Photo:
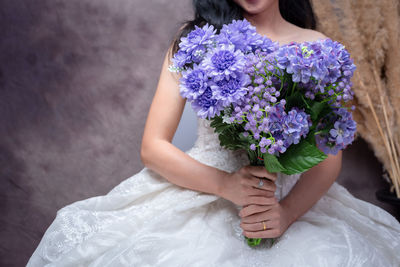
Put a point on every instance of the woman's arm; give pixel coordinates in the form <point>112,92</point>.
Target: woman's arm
<point>160,155</point>
<point>311,186</point>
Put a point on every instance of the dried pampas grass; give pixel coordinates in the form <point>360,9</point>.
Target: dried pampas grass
<point>391,150</point>
<point>371,32</point>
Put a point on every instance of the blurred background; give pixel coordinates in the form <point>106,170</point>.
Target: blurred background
<point>76,81</point>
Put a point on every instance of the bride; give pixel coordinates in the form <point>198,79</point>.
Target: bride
<point>195,208</point>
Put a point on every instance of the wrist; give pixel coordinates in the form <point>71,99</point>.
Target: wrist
<point>221,183</point>
<point>288,210</point>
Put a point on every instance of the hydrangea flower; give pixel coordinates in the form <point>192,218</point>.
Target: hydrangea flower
<point>295,125</point>
<point>318,65</point>
<point>340,135</point>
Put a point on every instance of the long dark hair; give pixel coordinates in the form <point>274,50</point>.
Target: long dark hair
<point>220,12</point>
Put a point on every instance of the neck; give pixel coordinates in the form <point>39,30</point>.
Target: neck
<point>268,22</point>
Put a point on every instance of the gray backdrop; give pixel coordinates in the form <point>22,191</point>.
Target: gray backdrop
<point>76,81</point>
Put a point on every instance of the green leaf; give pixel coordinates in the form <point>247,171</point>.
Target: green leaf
<point>272,163</point>
<point>218,125</point>
<point>230,135</point>
<point>301,157</point>
<point>325,111</point>
<point>311,138</point>
<point>252,157</point>
<point>227,141</point>
<point>295,100</point>
<point>316,109</point>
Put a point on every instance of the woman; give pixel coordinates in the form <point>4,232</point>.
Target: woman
<point>194,208</point>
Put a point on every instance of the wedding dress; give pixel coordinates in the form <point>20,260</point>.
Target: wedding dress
<point>147,221</point>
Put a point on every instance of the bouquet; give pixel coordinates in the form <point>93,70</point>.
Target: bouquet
<point>285,105</point>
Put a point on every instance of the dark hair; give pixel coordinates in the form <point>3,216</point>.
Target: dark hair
<point>220,12</point>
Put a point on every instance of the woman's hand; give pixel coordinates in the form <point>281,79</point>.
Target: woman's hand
<point>241,187</point>
<point>264,221</point>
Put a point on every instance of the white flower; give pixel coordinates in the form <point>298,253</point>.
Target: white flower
<point>226,119</point>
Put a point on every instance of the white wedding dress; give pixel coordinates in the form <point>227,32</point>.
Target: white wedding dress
<point>147,221</point>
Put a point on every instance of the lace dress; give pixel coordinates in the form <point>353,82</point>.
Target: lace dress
<point>147,221</point>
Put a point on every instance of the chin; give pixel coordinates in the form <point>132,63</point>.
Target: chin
<point>255,7</point>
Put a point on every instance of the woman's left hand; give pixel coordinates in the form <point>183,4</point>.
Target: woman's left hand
<point>274,218</point>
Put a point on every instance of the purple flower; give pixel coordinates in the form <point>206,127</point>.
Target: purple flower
<point>343,129</point>
<point>241,34</point>
<point>230,89</point>
<point>275,117</point>
<point>206,105</point>
<point>268,45</point>
<point>325,146</point>
<point>180,59</point>
<point>224,61</point>
<point>342,132</point>
<point>295,125</point>
<point>195,44</point>
<point>264,142</point>
<point>340,135</point>
<point>193,83</point>
<point>317,65</point>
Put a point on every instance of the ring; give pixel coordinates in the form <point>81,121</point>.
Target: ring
<point>260,183</point>
<point>264,225</point>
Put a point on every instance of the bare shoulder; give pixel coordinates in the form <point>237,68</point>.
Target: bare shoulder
<point>309,35</point>
<point>300,35</point>
<point>294,33</point>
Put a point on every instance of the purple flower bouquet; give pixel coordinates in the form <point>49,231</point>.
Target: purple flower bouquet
<point>285,105</point>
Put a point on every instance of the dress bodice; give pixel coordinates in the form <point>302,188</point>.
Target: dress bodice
<point>207,149</point>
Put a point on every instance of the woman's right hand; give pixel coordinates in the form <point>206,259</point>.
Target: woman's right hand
<point>241,187</point>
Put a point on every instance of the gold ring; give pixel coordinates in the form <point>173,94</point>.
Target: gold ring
<point>264,225</point>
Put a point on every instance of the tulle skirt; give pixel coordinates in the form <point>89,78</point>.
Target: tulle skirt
<point>147,221</point>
